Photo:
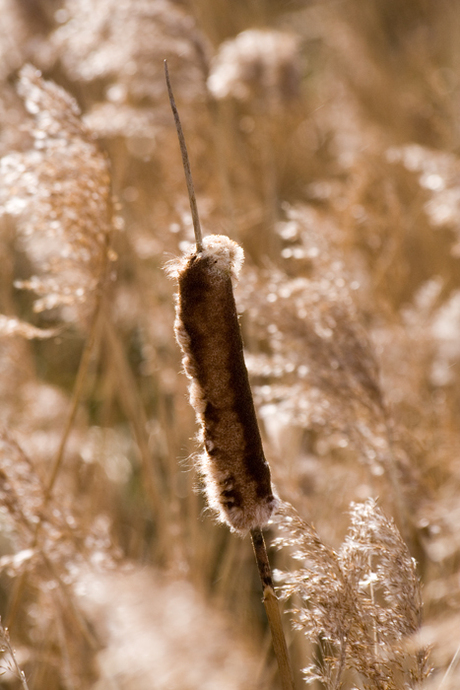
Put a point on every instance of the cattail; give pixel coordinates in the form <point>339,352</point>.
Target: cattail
<point>236,474</point>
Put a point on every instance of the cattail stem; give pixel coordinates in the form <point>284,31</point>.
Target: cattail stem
<point>186,163</point>
<point>237,475</point>
<point>272,610</point>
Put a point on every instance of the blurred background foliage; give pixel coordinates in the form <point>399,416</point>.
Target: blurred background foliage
<point>324,137</point>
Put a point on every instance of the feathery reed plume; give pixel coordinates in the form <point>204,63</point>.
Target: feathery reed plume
<point>359,604</point>
<point>24,505</point>
<point>259,71</point>
<point>60,191</point>
<point>236,473</point>
<point>11,664</point>
<point>53,202</point>
<point>121,43</point>
<point>64,218</point>
<point>51,545</point>
<point>257,63</point>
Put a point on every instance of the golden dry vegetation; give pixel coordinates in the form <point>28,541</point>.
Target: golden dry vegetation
<point>324,138</point>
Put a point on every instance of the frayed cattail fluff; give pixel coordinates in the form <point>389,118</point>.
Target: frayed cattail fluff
<point>236,473</point>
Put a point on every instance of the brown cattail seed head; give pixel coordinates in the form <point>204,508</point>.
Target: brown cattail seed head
<point>236,474</point>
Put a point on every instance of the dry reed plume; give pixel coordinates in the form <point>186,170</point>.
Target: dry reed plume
<point>359,605</point>
<point>64,217</point>
<point>11,665</point>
